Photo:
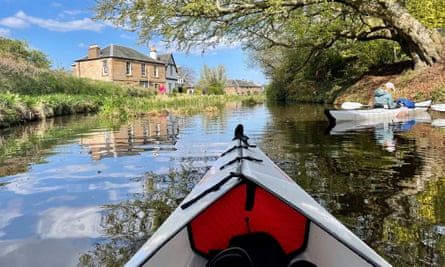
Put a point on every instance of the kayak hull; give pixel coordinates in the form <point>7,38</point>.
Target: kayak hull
<point>375,114</point>
<point>438,107</point>
<point>381,114</point>
<point>246,201</point>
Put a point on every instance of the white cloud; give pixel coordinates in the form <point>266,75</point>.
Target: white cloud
<point>4,32</point>
<point>69,222</point>
<point>21,20</point>
<point>126,36</point>
<point>14,22</point>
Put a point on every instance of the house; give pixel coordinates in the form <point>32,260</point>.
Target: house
<point>171,70</point>
<point>184,84</point>
<point>125,65</point>
<point>242,87</point>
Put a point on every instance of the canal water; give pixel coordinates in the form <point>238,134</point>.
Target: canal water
<point>88,191</point>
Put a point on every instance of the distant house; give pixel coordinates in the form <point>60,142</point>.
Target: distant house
<point>171,70</point>
<point>184,83</point>
<point>125,65</point>
<point>242,87</point>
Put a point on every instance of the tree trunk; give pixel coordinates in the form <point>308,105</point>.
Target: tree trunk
<point>423,45</point>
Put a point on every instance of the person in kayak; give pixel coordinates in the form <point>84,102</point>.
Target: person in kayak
<point>383,97</point>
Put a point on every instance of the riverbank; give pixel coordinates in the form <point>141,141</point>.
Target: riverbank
<point>16,108</point>
<point>416,85</point>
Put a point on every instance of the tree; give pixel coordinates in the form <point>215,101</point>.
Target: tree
<point>267,23</point>
<point>212,80</point>
<point>187,73</point>
<point>429,12</point>
<point>18,50</point>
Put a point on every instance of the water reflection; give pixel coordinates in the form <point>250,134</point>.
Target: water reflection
<point>154,134</point>
<point>384,130</point>
<point>130,223</point>
<point>91,191</point>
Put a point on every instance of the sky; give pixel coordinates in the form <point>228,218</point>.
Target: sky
<point>64,29</point>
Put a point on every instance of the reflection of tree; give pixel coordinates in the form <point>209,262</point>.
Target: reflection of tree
<point>127,225</point>
<point>390,200</point>
<point>418,242</point>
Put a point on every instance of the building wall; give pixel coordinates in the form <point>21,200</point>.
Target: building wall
<point>117,71</point>
<point>232,90</point>
<point>90,69</point>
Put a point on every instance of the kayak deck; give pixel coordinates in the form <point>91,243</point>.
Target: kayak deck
<point>246,205</point>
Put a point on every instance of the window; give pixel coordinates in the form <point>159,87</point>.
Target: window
<point>128,68</point>
<point>144,84</point>
<point>156,73</point>
<point>143,70</point>
<point>104,67</point>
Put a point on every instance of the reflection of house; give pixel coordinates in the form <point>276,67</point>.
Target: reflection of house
<point>125,65</point>
<point>241,87</point>
<point>147,135</point>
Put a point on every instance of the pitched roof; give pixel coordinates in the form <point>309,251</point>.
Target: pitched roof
<point>241,83</point>
<point>118,51</point>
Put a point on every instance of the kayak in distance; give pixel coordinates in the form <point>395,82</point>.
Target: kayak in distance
<point>438,107</point>
<point>376,113</point>
<point>246,212</point>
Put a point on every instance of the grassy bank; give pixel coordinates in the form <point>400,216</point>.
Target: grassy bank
<point>30,90</point>
<point>15,108</point>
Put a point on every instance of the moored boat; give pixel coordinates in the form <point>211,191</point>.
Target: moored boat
<point>247,212</point>
<point>377,113</point>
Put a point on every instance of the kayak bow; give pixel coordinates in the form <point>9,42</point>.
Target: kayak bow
<point>247,211</point>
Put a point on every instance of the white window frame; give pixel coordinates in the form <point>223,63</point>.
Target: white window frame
<point>143,70</point>
<point>128,68</point>
<point>104,67</point>
<point>156,71</point>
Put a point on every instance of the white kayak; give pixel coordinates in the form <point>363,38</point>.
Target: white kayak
<point>440,123</point>
<point>247,212</point>
<point>342,127</point>
<point>376,113</point>
<point>438,107</point>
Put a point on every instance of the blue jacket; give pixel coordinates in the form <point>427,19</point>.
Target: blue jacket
<point>382,98</point>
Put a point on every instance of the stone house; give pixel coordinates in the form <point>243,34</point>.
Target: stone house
<point>242,87</point>
<point>125,65</point>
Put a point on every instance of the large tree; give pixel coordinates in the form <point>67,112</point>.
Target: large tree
<point>266,23</point>
<point>212,80</point>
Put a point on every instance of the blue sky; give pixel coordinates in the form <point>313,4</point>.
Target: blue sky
<point>63,29</point>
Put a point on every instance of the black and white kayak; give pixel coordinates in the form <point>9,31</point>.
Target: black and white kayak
<point>247,212</point>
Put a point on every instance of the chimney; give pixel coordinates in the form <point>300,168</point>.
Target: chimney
<point>93,51</point>
<point>153,53</point>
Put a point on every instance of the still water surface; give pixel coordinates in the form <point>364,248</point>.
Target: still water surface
<point>83,191</point>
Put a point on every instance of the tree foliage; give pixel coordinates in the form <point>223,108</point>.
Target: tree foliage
<point>212,80</point>
<point>317,24</point>
<point>429,12</point>
<point>19,50</point>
